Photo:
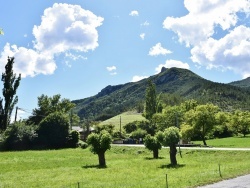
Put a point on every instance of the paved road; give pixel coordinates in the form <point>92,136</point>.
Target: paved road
<point>239,182</point>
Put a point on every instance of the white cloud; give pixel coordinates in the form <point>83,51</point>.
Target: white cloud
<point>198,29</point>
<point>63,28</point>
<point>28,62</point>
<point>74,56</point>
<point>158,50</point>
<point>172,63</point>
<point>146,23</point>
<point>142,36</point>
<point>134,13</point>
<point>138,78</point>
<point>112,68</point>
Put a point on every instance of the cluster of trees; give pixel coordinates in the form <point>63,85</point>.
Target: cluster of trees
<point>47,127</point>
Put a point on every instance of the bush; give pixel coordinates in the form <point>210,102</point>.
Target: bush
<point>73,138</point>
<point>53,131</point>
<point>19,136</point>
<point>130,127</point>
<point>82,144</point>
<point>139,133</point>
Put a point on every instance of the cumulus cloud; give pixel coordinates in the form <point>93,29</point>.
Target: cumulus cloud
<point>158,50</point>
<point>172,63</point>
<point>112,68</point>
<point>142,36</point>
<point>138,78</point>
<point>199,27</point>
<point>28,62</point>
<point>134,13</point>
<point>63,28</point>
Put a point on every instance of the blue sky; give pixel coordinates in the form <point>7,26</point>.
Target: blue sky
<point>76,48</point>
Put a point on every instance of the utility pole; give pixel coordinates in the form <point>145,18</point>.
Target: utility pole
<point>16,113</point>
<point>120,126</point>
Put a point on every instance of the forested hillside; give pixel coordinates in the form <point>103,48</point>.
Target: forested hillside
<point>183,83</point>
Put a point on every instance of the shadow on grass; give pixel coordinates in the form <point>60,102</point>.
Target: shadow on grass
<point>169,166</point>
<point>151,158</point>
<point>94,166</point>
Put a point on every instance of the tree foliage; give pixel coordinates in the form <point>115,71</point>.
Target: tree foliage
<point>152,144</point>
<point>10,86</point>
<point>19,136</point>
<point>170,137</point>
<point>48,105</point>
<point>151,101</point>
<point>241,122</point>
<point>202,119</point>
<point>99,144</point>
<point>53,131</point>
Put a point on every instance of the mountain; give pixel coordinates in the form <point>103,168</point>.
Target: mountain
<point>113,100</point>
<point>245,83</point>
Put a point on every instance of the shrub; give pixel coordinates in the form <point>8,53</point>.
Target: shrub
<point>73,138</point>
<point>82,144</point>
<point>139,133</point>
<point>19,136</point>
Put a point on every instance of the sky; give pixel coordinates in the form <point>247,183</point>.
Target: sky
<point>75,48</point>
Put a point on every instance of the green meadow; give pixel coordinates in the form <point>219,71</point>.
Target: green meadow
<point>126,167</point>
<point>123,119</point>
<point>231,142</point>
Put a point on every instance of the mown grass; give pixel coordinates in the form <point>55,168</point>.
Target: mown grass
<point>231,142</point>
<point>126,167</point>
<point>124,119</point>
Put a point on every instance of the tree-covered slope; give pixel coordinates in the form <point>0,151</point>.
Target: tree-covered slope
<point>113,100</point>
<point>245,83</point>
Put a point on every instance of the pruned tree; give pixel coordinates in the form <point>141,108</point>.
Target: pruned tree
<point>99,144</point>
<point>152,144</point>
<point>10,85</point>
<point>170,137</point>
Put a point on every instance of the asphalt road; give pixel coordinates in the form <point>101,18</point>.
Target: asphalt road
<point>238,182</point>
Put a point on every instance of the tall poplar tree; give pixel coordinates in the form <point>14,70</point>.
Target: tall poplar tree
<point>151,101</point>
<point>10,85</point>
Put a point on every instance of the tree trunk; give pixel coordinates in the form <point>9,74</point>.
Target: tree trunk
<point>156,153</point>
<point>101,157</point>
<point>173,152</point>
<point>204,141</point>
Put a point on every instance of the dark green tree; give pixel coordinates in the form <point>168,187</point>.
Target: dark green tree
<point>152,144</point>
<point>48,105</point>
<point>151,101</point>
<point>53,131</point>
<point>170,137</point>
<point>99,144</point>
<point>10,85</point>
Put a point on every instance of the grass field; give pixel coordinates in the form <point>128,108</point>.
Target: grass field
<point>231,142</point>
<point>126,167</point>
<point>123,119</point>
